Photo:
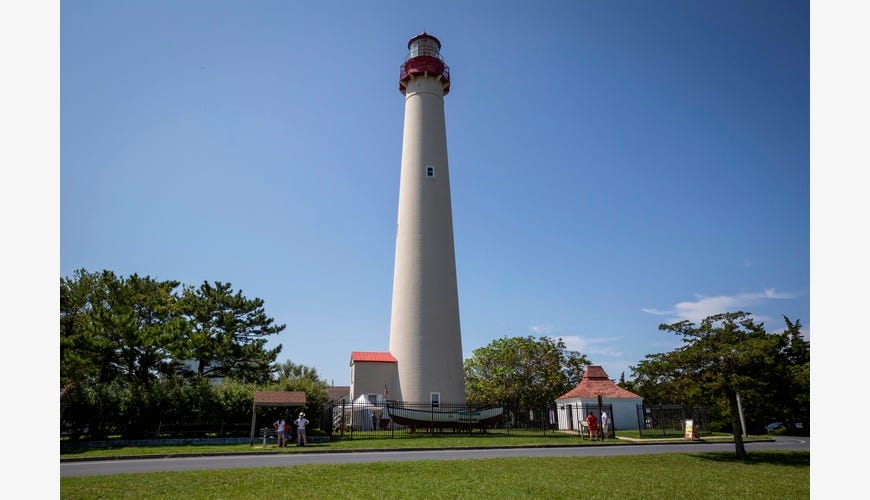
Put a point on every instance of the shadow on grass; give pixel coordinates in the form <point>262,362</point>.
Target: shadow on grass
<point>786,458</point>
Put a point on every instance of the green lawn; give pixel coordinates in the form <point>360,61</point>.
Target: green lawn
<point>673,476</point>
<point>362,441</point>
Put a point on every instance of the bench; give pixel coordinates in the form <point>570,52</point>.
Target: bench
<point>268,432</point>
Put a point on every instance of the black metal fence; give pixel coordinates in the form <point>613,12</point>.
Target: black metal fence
<point>576,416</point>
<point>396,419</point>
<point>670,420</point>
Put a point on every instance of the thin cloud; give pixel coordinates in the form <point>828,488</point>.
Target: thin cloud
<point>542,329</point>
<point>657,312</point>
<point>697,310</point>
<point>574,343</point>
<point>597,346</point>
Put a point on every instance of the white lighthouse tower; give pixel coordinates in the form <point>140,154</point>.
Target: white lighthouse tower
<point>425,336</point>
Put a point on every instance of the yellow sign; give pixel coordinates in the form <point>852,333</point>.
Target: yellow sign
<point>690,433</point>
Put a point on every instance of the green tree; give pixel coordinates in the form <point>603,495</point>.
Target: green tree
<point>80,358</point>
<point>522,372</point>
<point>726,355</point>
<point>235,398</point>
<point>289,370</point>
<point>787,396</point>
<point>226,335</point>
<point>111,326</point>
<point>299,377</point>
<point>658,383</point>
<point>628,385</point>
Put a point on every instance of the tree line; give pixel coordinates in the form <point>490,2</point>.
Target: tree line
<point>140,354</point>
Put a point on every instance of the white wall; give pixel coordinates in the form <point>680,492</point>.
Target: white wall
<point>370,377</point>
<point>624,415</point>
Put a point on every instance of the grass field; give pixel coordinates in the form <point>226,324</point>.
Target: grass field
<point>361,442</point>
<point>673,476</point>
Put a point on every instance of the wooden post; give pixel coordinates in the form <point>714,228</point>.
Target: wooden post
<point>253,422</point>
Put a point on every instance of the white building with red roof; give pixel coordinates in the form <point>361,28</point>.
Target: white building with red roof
<point>574,405</point>
<point>374,374</point>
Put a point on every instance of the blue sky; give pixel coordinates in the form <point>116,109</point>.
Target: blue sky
<point>614,165</point>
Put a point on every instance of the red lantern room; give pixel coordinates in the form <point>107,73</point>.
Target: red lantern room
<point>424,58</point>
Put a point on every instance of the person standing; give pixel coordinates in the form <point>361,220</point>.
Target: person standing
<point>301,422</point>
<point>604,421</point>
<point>592,423</point>
<point>279,431</point>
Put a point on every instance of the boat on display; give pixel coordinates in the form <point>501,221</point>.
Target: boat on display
<point>444,418</point>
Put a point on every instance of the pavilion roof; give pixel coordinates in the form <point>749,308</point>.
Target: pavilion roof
<point>596,383</point>
<point>279,398</point>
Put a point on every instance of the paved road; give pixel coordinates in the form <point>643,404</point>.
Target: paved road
<point>86,468</point>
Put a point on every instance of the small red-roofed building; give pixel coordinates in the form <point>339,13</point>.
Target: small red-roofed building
<point>373,374</point>
<point>574,405</point>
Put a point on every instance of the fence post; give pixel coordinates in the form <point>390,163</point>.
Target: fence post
<point>611,421</point>
<point>662,419</point>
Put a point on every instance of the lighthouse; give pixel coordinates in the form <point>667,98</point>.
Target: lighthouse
<point>425,336</point>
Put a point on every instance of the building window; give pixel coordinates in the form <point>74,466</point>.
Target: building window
<point>430,171</point>
<point>435,398</point>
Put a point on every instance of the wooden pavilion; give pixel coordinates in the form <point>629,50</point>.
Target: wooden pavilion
<point>288,399</point>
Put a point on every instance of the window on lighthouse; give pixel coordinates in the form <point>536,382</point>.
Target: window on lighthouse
<point>430,171</point>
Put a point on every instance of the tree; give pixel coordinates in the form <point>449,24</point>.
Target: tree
<point>789,393</point>
<point>297,377</point>
<point>726,355</point>
<point>227,332</point>
<point>113,326</point>
<point>628,385</point>
<point>79,358</point>
<point>123,341</point>
<point>522,372</point>
<point>138,328</point>
<point>289,370</point>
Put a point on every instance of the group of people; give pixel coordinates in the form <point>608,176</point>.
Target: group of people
<point>282,429</point>
<point>592,423</point>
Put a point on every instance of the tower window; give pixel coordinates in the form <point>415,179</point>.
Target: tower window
<point>430,171</point>
<point>435,399</point>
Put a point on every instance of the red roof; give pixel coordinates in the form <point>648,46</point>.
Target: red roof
<point>596,383</point>
<point>372,357</point>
